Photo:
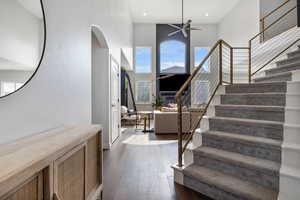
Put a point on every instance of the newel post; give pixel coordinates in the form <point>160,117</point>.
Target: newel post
<point>179,121</point>
<point>298,13</point>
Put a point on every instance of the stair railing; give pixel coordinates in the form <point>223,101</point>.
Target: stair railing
<point>265,47</point>
<point>270,14</point>
<point>225,65</point>
<point>217,68</point>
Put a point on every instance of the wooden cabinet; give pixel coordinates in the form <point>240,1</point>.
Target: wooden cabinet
<point>69,175</point>
<point>66,166</point>
<point>31,190</point>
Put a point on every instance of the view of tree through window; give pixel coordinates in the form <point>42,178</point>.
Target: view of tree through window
<point>143,91</point>
<point>200,53</point>
<point>172,57</point>
<point>143,60</point>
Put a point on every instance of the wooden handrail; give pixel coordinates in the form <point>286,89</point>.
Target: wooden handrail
<point>194,73</point>
<point>274,10</point>
<point>279,54</point>
<point>265,29</point>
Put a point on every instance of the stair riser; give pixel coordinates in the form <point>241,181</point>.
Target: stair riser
<point>260,177</point>
<point>210,191</point>
<point>271,100</point>
<point>274,79</point>
<point>242,147</point>
<point>284,69</point>
<point>257,88</point>
<point>250,113</point>
<point>252,129</point>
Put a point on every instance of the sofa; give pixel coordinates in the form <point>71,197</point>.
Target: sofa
<point>167,122</point>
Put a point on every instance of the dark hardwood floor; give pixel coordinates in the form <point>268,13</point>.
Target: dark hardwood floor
<point>138,167</point>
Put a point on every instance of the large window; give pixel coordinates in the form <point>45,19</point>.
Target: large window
<point>200,54</point>
<point>172,57</point>
<point>143,91</point>
<point>9,87</point>
<point>201,94</point>
<point>143,60</point>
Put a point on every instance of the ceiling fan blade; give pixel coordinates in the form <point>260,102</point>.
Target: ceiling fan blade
<point>195,29</point>
<point>184,33</point>
<point>174,26</point>
<point>173,33</point>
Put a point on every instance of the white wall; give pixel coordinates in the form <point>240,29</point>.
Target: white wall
<point>21,36</point>
<point>60,93</point>
<point>241,24</point>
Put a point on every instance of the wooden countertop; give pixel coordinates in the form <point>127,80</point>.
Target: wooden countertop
<point>26,157</point>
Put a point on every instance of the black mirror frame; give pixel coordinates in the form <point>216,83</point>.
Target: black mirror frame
<point>42,55</point>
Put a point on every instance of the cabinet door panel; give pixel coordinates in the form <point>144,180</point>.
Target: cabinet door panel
<point>70,175</point>
<point>32,190</point>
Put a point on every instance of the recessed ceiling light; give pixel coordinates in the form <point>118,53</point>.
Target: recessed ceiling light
<point>206,14</point>
<point>145,14</point>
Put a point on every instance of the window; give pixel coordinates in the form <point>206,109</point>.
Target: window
<point>172,57</point>
<point>143,60</point>
<point>9,87</point>
<point>202,94</point>
<point>200,53</point>
<point>143,91</point>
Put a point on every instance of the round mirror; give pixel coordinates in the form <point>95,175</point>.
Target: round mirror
<point>22,42</point>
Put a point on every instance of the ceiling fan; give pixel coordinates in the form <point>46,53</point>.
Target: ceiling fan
<point>184,27</point>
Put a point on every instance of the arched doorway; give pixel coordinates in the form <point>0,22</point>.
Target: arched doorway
<point>104,103</point>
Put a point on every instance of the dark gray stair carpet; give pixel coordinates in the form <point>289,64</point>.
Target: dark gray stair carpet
<point>258,128</point>
<point>288,61</point>
<point>263,148</point>
<point>220,186</point>
<point>241,153</point>
<point>285,76</point>
<point>294,54</point>
<point>283,68</point>
<point>258,171</point>
<point>274,87</point>
<point>272,99</point>
<point>271,113</point>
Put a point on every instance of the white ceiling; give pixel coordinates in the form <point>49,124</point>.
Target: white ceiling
<point>169,11</point>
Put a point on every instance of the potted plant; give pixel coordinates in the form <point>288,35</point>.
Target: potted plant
<point>157,104</point>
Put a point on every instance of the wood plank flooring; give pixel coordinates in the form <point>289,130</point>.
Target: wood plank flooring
<point>138,167</point>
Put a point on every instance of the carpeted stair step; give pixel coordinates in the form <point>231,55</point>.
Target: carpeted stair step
<point>283,68</point>
<point>270,113</point>
<point>275,87</point>
<point>258,171</point>
<point>294,54</point>
<point>257,147</point>
<point>272,99</point>
<point>224,187</point>
<point>285,76</point>
<point>250,127</point>
<point>288,61</point>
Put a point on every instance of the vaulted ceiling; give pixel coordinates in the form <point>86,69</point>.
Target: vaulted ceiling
<point>169,11</point>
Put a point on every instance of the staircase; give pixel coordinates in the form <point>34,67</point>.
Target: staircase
<point>240,156</point>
